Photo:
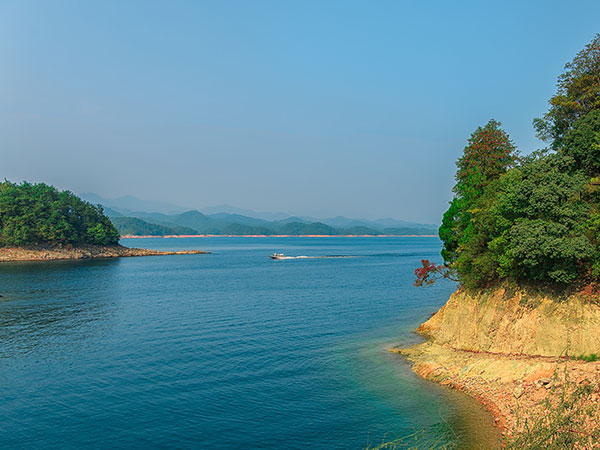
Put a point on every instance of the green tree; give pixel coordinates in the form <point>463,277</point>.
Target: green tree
<point>488,154</point>
<point>541,231</point>
<point>40,214</point>
<point>578,94</point>
<point>534,219</point>
<point>582,143</point>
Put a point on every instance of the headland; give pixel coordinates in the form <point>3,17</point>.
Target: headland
<point>50,253</point>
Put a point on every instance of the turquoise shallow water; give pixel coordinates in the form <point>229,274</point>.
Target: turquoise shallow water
<point>224,351</point>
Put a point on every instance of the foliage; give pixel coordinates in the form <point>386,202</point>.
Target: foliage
<point>533,219</point>
<point>40,214</point>
<point>578,94</point>
<point>488,154</point>
<point>429,272</point>
<point>589,358</point>
<point>582,143</point>
<point>529,225</point>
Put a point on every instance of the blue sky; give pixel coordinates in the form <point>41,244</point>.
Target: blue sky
<point>311,107</point>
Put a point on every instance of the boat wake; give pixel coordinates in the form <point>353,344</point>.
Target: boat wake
<point>280,257</point>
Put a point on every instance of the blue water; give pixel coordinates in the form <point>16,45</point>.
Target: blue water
<point>223,351</point>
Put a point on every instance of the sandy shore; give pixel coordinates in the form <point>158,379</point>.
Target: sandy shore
<point>38,253</point>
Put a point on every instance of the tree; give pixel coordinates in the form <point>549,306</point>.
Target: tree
<point>533,219</point>
<point>582,143</point>
<point>429,272</point>
<point>578,94</point>
<point>488,154</point>
<point>40,214</point>
<point>542,222</point>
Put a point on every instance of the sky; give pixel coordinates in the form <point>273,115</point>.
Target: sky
<point>321,108</point>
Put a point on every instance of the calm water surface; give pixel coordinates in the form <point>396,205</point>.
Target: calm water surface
<point>224,351</point>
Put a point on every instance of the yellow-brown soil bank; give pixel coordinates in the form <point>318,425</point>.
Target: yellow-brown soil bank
<point>40,253</point>
<point>505,322</point>
<point>509,349</point>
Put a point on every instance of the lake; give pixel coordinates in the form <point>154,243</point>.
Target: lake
<point>230,350</point>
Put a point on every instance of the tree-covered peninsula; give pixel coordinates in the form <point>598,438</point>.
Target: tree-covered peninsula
<point>38,214</point>
<point>39,222</point>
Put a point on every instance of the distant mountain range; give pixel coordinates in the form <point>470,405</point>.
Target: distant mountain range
<point>136,217</point>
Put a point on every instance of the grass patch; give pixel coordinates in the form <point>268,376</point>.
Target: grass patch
<point>589,358</point>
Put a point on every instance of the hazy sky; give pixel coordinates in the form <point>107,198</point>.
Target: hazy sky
<point>309,107</point>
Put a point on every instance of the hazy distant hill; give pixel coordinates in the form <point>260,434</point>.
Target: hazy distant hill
<point>379,224</point>
<point>138,227</point>
<point>158,222</point>
<point>266,216</point>
<point>129,203</point>
<point>194,222</point>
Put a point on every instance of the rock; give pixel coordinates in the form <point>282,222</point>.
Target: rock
<point>545,381</point>
<point>518,391</point>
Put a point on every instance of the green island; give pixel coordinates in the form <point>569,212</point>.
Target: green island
<point>39,222</point>
<point>522,239</point>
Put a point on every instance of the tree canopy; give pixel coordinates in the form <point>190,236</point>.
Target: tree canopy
<point>536,218</point>
<point>32,214</point>
<point>578,94</point>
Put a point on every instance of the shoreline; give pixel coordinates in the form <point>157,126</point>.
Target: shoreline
<point>506,351</point>
<point>512,388</point>
<point>130,236</point>
<point>41,253</point>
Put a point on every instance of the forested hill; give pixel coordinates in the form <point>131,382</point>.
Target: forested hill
<point>194,222</point>
<point>142,223</point>
<point>533,219</point>
<point>38,214</point>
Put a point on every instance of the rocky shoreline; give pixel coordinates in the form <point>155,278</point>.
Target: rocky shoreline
<point>41,253</point>
<point>511,387</point>
<point>509,352</point>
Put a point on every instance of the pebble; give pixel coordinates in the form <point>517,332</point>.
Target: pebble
<point>518,391</point>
